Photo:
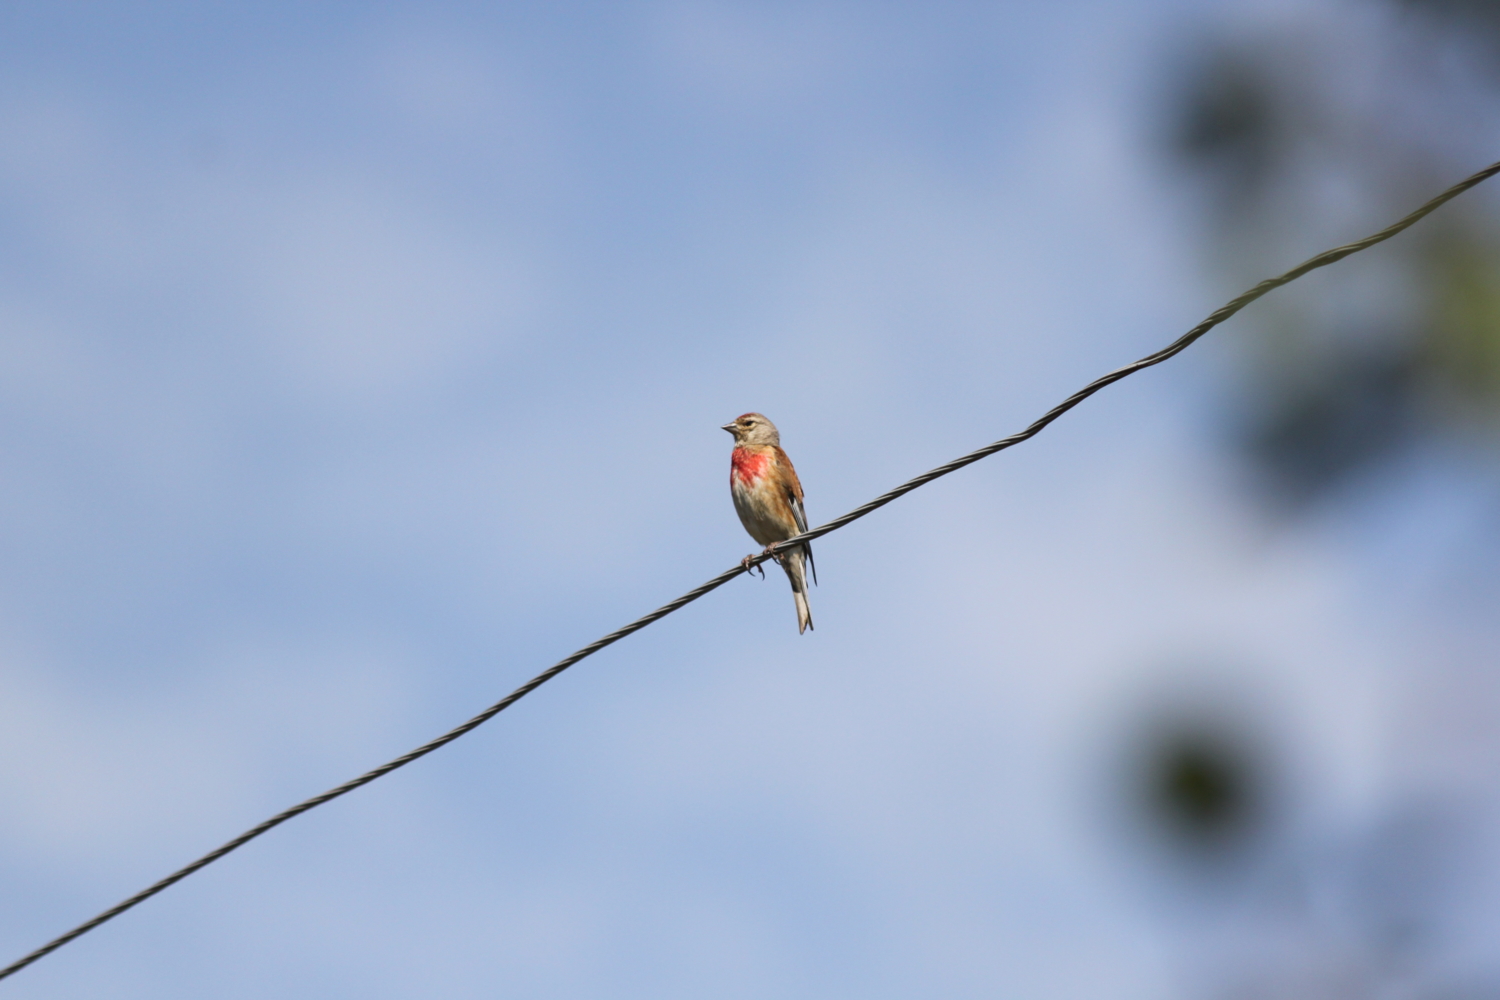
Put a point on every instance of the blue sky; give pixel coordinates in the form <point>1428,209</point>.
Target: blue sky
<point>358,363</point>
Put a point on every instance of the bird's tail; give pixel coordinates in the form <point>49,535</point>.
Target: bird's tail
<point>795,564</point>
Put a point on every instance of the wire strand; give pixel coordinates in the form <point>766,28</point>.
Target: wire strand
<point>1171,350</point>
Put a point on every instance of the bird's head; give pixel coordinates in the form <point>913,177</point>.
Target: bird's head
<point>753,429</point>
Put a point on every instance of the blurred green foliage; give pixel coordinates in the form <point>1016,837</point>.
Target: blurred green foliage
<point>1302,136</point>
<point>1462,342</point>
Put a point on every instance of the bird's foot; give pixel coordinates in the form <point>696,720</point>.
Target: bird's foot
<point>745,562</point>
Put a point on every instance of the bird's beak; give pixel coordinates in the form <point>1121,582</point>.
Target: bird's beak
<point>728,427</point>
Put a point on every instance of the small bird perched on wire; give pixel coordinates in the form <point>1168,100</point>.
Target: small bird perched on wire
<point>768,499</point>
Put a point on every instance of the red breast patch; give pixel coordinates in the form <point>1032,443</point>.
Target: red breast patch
<point>747,466</point>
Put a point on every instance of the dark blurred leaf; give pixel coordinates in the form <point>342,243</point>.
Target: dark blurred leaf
<point>1472,16</point>
<point>1229,122</point>
<point>1313,433</point>
<point>1202,787</point>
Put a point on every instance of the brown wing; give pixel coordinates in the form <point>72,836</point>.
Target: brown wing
<point>793,487</point>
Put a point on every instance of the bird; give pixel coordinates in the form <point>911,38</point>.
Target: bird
<point>768,499</point>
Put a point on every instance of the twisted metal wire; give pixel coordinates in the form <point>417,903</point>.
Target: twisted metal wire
<point>1171,350</point>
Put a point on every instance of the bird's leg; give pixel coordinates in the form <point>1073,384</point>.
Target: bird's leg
<point>745,562</point>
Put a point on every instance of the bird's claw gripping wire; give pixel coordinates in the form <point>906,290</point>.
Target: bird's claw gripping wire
<point>745,562</point>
